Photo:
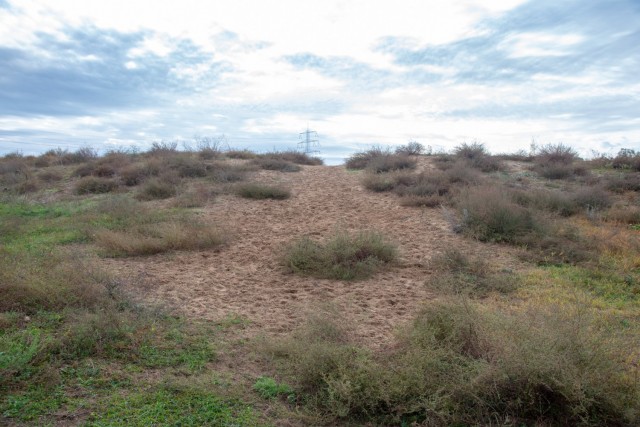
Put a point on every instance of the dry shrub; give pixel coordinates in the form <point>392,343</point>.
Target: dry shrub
<point>558,202</point>
<point>197,197</point>
<point>362,159</point>
<point>163,148</point>
<point>240,154</point>
<point>294,157</point>
<point>261,192</point>
<point>28,186</point>
<point>14,171</point>
<point>556,154</point>
<point>432,201</point>
<point>489,214</point>
<point>626,159</point>
<point>593,198</point>
<point>94,185</point>
<point>623,214</point>
<point>413,148</point>
<point>458,364</point>
<point>381,182</point>
<point>156,189</point>
<point>623,182</point>
<point>342,257</point>
<point>391,162</point>
<point>209,147</point>
<point>158,238</point>
<point>475,155</point>
<point>187,167</point>
<point>223,172</point>
<point>84,154</point>
<point>457,273</point>
<point>276,165</point>
<point>50,176</point>
<point>137,173</point>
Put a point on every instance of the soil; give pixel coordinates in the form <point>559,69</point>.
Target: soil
<point>247,279</point>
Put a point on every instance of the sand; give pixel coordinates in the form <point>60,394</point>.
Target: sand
<point>247,279</point>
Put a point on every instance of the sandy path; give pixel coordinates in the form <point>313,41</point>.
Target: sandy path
<point>246,278</point>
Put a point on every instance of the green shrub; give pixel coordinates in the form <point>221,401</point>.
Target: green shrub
<point>342,257</point>
<point>94,185</point>
<point>260,192</point>
<point>268,388</point>
<point>223,172</point>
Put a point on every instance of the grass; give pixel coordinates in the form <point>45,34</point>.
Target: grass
<point>342,257</point>
<point>261,192</point>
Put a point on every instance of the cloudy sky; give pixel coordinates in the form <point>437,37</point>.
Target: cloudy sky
<point>440,72</point>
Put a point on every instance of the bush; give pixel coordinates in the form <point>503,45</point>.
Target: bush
<point>209,148</point>
<point>163,148</point>
<point>457,273</point>
<point>458,364</point>
<point>362,159</point>
<point>556,154</point>
<point>50,176</point>
<point>260,192</point>
<point>557,202</point>
<point>155,189</point>
<point>276,165</point>
<point>188,167</point>
<point>84,154</point>
<point>488,214</point>
<point>240,154</point>
<point>294,157</point>
<point>593,198</point>
<point>378,182</point>
<point>626,159</point>
<point>623,182</point>
<point>94,185</point>
<point>411,149</point>
<point>342,257</point>
<point>224,172</point>
<point>391,162</point>
<point>623,214</point>
<point>476,156</point>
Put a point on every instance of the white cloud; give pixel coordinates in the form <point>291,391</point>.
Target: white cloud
<point>541,44</point>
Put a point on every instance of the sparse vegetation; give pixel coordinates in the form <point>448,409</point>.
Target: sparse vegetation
<point>553,341</point>
<point>260,191</point>
<point>457,363</point>
<point>343,257</point>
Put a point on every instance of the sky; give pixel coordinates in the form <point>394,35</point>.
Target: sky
<point>122,74</point>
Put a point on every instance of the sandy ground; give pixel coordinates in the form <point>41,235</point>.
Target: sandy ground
<point>246,278</point>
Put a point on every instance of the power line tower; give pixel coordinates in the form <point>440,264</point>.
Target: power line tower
<point>309,142</point>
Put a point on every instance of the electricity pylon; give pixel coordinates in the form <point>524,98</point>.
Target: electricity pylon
<point>309,142</point>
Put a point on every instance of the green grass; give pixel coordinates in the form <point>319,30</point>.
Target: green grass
<point>268,388</point>
<point>172,406</point>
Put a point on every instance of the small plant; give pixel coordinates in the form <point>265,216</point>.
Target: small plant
<point>268,388</point>
<point>240,154</point>
<point>342,257</point>
<point>294,157</point>
<point>260,192</point>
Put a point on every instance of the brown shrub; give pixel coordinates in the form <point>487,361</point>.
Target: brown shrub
<point>156,188</point>
<point>294,157</point>
<point>94,185</point>
<point>240,154</point>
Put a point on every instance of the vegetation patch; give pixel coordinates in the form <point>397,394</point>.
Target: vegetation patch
<point>260,191</point>
<point>343,257</point>
<point>459,364</point>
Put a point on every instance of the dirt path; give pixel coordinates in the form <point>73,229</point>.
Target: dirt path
<point>246,278</point>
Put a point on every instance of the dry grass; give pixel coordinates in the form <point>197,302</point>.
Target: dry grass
<point>261,192</point>
<point>158,238</point>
